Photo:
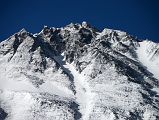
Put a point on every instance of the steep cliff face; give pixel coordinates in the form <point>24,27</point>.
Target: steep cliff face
<point>77,72</point>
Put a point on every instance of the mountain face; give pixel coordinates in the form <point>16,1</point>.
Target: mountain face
<point>78,73</point>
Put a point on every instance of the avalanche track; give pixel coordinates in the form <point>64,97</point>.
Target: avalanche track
<point>83,93</point>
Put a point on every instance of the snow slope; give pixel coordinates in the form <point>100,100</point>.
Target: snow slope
<point>84,95</point>
<point>146,54</point>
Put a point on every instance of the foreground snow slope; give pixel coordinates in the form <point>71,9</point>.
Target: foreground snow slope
<point>78,73</point>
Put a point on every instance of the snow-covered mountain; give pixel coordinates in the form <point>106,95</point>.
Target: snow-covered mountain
<point>78,73</point>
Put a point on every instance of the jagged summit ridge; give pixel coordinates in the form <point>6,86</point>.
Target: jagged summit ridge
<point>78,73</point>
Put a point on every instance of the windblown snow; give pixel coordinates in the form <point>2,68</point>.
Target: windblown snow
<point>78,73</point>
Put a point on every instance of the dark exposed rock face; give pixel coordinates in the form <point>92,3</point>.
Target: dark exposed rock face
<point>3,114</point>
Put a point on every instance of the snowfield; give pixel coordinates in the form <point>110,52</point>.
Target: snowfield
<point>78,73</point>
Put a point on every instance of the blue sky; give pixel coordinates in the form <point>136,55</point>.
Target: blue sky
<point>137,17</point>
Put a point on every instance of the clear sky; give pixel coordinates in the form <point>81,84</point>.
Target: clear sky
<point>137,17</point>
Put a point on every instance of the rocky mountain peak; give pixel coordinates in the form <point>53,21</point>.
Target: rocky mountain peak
<point>78,73</point>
